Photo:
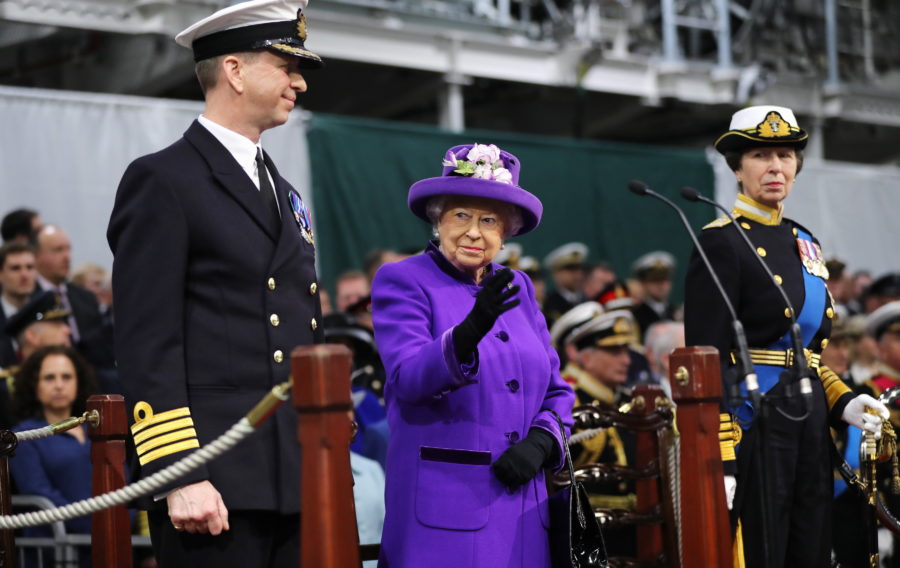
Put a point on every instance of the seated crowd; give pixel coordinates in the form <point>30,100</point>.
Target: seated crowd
<point>612,332</point>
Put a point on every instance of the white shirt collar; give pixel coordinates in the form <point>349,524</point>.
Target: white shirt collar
<point>240,147</point>
<point>8,309</point>
<point>47,285</point>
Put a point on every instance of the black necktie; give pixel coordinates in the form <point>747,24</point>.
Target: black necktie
<point>268,194</point>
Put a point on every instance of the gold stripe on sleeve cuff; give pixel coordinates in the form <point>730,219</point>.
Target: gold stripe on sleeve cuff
<point>163,428</point>
<point>727,447</point>
<point>159,435</point>
<point>144,417</point>
<point>168,450</point>
<point>165,440</point>
<point>834,387</point>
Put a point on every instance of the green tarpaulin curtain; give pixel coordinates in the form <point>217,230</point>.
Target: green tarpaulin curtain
<point>362,170</point>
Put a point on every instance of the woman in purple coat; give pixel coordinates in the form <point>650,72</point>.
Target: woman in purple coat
<point>471,379</point>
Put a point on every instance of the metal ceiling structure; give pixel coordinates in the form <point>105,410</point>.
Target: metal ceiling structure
<point>655,71</point>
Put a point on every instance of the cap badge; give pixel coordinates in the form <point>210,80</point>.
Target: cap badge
<point>301,26</point>
<point>302,216</point>
<point>621,326</point>
<point>773,126</point>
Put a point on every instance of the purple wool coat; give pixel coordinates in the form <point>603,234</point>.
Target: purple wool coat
<point>449,421</point>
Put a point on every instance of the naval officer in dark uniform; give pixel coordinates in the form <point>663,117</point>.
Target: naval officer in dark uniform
<point>214,285</point>
<point>763,147</point>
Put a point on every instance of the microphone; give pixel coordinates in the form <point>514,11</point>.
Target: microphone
<point>800,362</point>
<point>750,379</point>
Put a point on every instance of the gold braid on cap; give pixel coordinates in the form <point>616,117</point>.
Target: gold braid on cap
<point>301,26</point>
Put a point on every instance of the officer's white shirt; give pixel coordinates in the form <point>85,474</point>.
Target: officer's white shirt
<point>241,148</point>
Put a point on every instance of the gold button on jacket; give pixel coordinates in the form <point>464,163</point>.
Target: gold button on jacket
<point>271,283</point>
<point>278,356</point>
<point>274,320</point>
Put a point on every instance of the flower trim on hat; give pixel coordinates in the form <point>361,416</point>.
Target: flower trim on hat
<point>482,162</point>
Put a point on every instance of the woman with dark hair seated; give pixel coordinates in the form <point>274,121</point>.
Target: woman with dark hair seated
<point>53,384</point>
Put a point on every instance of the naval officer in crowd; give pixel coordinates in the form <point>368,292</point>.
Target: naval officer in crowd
<point>214,285</point>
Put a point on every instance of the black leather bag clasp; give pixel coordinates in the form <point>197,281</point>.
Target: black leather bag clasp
<point>575,537</point>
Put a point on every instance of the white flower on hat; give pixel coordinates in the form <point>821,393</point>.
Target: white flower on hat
<point>503,175</point>
<point>482,162</point>
<point>451,162</point>
<point>483,171</point>
<point>484,154</point>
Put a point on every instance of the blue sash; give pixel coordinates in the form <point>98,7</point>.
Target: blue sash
<point>810,320</point>
<point>851,454</point>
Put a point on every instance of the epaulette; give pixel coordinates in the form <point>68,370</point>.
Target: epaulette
<point>720,222</point>
<point>802,228</point>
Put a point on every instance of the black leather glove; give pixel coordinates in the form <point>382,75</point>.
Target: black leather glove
<point>520,463</point>
<point>490,303</point>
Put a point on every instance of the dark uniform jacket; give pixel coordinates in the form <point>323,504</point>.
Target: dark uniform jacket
<point>759,305</point>
<point>210,301</point>
<point>645,316</point>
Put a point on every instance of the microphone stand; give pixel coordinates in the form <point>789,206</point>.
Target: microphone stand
<point>750,378</point>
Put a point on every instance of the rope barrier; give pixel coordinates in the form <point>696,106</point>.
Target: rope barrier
<point>584,435</point>
<point>92,417</point>
<point>150,485</point>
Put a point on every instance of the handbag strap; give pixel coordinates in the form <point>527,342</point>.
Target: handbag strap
<point>562,431</point>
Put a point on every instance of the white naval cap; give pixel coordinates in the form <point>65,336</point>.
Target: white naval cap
<point>569,254</point>
<point>609,329</point>
<point>884,319</point>
<point>571,321</point>
<point>654,266</point>
<point>277,25</point>
<point>762,125</point>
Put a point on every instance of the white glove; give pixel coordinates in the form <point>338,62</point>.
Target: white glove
<point>855,414</point>
<point>730,488</point>
<point>885,543</point>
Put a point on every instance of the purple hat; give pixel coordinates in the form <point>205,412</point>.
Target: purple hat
<point>478,170</point>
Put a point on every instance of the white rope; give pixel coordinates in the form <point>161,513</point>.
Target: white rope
<point>36,434</point>
<point>143,487</point>
<point>584,436</point>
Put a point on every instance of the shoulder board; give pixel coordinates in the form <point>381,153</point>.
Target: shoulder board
<point>802,228</point>
<point>720,222</point>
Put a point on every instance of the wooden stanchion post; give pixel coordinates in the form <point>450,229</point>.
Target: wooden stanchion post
<point>110,528</point>
<point>695,376</point>
<point>8,445</point>
<point>650,536</point>
<point>328,534</point>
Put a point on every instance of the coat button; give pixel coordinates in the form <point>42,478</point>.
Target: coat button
<point>778,279</point>
<point>795,231</point>
<point>313,324</point>
<point>788,312</point>
<point>513,437</point>
<point>745,225</point>
<point>313,288</point>
<point>271,283</point>
<point>829,312</point>
<point>274,320</point>
<point>278,356</point>
<point>513,385</point>
<point>502,336</point>
<point>761,251</point>
<point>824,343</point>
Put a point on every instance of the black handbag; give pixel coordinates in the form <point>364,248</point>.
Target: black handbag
<point>575,537</point>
